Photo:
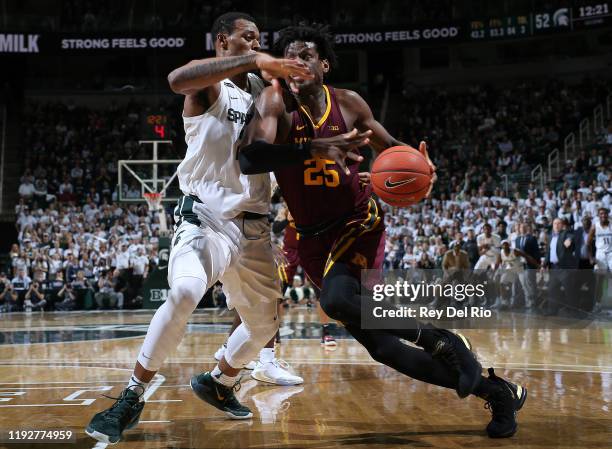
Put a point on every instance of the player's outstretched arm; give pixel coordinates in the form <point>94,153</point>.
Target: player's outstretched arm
<point>200,74</point>
<point>199,80</point>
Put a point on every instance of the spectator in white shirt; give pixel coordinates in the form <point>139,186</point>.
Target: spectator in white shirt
<point>122,257</point>
<point>26,188</point>
<point>22,281</point>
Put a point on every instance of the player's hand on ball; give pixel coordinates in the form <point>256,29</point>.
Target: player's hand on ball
<point>434,177</point>
<point>280,68</point>
<point>340,147</point>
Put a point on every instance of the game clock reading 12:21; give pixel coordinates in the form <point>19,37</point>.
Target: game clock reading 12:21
<point>155,126</point>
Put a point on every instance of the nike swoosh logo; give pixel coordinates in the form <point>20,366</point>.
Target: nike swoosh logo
<point>299,128</point>
<point>234,98</point>
<point>392,185</point>
<point>219,397</point>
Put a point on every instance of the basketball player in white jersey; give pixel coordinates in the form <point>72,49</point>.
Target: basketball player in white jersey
<point>601,232</point>
<point>510,264</point>
<point>222,231</point>
<point>488,247</point>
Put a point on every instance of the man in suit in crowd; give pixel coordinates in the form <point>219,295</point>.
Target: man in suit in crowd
<point>471,247</point>
<point>559,258</point>
<point>528,243</point>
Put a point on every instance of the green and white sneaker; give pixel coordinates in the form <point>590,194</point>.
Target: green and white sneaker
<point>220,396</point>
<point>108,425</point>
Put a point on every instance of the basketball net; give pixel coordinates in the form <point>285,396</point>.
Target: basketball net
<point>154,200</point>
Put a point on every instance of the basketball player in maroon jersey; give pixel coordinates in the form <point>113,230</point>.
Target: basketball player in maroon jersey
<point>341,225</point>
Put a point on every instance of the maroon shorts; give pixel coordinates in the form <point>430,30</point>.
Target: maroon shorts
<point>359,243</point>
<point>287,271</point>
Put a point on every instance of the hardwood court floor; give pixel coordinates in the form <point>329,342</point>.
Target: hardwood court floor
<point>55,367</point>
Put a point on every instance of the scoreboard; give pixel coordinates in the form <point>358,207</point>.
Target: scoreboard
<point>560,20</point>
<point>500,27</point>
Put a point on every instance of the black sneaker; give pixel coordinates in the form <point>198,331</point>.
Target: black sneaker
<point>220,396</point>
<point>504,403</point>
<point>108,425</point>
<point>456,351</point>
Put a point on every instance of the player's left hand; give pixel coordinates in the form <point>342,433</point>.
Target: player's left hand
<point>341,147</point>
<point>272,67</point>
<point>434,177</point>
<point>365,177</point>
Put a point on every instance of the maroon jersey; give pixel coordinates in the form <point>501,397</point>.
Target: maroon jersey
<point>319,191</point>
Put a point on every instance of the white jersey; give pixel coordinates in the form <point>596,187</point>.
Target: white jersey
<point>603,238</point>
<point>210,169</point>
<point>511,261</point>
<point>493,241</point>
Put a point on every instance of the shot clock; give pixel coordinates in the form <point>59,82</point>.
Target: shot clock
<point>155,126</point>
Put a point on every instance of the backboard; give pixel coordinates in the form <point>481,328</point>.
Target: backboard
<point>138,176</point>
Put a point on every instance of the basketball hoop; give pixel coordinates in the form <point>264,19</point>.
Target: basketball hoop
<point>154,200</point>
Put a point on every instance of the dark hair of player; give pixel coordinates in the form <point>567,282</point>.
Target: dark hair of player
<point>319,34</point>
<point>226,23</point>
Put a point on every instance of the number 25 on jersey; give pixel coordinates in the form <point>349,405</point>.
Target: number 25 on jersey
<point>319,172</point>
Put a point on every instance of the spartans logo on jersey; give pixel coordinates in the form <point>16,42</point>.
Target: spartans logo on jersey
<point>238,116</point>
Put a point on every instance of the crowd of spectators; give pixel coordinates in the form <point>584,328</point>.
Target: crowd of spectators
<point>422,233</point>
<point>69,256</point>
<point>481,136</point>
<point>489,131</point>
<point>77,248</point>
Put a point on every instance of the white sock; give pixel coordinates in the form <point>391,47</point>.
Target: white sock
<point>266,355</point>
<point>138,386</point>
<point>223,379</point>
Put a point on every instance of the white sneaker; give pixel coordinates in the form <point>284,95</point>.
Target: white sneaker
<point>221,352</point>
<point>275,372</point>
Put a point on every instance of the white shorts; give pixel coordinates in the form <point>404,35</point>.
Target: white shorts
<point>237,252</point>
<point>603,261</point>
<point>485,262</point>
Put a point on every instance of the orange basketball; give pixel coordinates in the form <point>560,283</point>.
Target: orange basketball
<point>401,176</point>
